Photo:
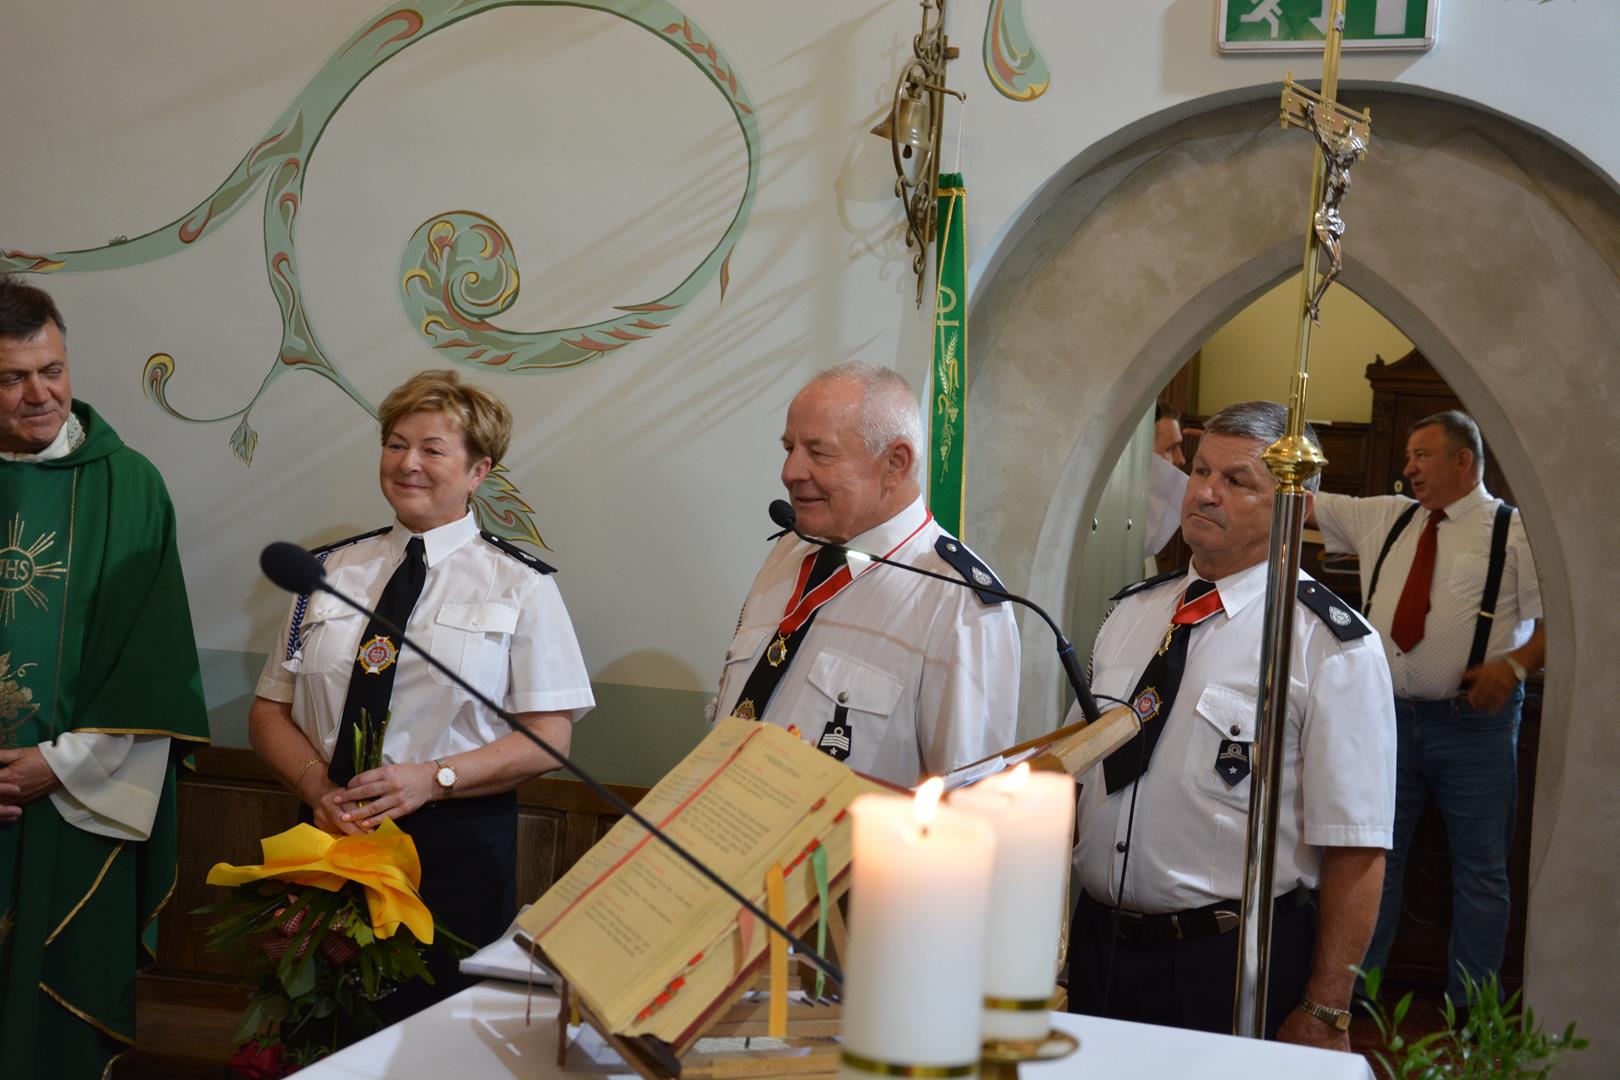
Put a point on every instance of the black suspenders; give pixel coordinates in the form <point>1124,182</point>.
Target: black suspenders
<point>1493,575</point>
<point>1493,584</point>
<point>1383,553</point>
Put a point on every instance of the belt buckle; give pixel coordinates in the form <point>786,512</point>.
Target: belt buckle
<point>1225,921</point>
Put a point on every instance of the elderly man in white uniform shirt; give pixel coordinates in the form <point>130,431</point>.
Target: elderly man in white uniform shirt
<point>1458,673</point>
<point>898,675</point>
<point>1165,845</point>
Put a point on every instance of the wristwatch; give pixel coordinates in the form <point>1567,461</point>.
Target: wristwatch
<point>445,777</point>
<point>1337,1019</point>
<point>1518,668</point>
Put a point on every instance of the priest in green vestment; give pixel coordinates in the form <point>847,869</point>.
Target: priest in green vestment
<point>100,696</point>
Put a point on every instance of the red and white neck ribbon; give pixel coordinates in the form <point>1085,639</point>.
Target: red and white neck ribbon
<point>801,606</point>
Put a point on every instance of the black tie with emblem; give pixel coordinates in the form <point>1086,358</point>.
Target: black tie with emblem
<point>774,661</point>
<point>371,682</point>
<point>1156,690</point>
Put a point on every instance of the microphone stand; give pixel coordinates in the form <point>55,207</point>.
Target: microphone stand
<point>827,967</point>
<point>1065,650</point>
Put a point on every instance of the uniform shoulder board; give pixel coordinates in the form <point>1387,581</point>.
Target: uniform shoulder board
<point>972,569</point>
<point>1152,582</point>
<point>1345,622</point>
<point>327,549</point>
<point>518,553</point>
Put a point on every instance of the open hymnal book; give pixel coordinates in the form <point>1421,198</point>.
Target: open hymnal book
<point>652,947</point>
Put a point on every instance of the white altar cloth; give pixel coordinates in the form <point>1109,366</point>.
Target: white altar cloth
<point>480,1034</point>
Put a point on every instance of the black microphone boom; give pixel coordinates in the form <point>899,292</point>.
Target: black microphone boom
<point>296,570</point>
<point>783,514</point>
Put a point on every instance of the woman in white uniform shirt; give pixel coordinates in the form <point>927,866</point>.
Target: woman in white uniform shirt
<point>450,767</point>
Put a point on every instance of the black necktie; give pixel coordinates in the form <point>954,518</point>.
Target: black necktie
<point>761,684</point>
<point>1156,690</point>
<point>371,682</point>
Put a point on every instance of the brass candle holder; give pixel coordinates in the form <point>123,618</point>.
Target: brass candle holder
<point>999,1058</point>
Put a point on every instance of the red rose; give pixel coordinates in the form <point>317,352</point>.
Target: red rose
<point>260,1061</point>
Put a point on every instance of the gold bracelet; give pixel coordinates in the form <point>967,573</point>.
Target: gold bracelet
<point>298,785</point>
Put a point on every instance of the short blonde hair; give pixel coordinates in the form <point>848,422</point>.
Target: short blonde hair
<point>484,419</point>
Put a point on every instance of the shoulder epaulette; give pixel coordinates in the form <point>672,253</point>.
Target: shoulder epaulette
<point>518,553</point>
<point>1342,619</point>
<point>971,567</point>
<point>1157,579</point>
<point>327,549</point>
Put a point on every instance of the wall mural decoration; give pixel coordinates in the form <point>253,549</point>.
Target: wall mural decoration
<point>1015,66</point>
<point>459,270</point>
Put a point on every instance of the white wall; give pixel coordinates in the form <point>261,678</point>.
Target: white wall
<point>614,165</point>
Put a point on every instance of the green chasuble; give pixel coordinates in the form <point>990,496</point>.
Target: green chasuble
<point>95,636</point>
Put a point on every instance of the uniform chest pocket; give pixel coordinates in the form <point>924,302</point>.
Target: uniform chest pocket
<point>850,714</point>
<point>327,638</point>
<point>858,687</point>
<point>745,649</point>
<point>1220,752</point>
<point>473,641</point>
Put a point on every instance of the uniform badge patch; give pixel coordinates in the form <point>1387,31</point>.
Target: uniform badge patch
<point>1232,762</point>
<point>377,655</point>
<point>1147,704</point>
<point>744,709</point>
<point>836,736</point>
<point>982,578</point>
<point>1339,616</point>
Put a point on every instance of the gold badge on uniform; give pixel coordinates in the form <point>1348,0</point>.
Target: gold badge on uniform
<point>777,651</point>
<point>377,655</point>
<point>744,709</point>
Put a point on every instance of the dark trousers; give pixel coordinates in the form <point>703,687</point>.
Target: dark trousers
<point>468,849</point>
<point>1185,984</point>
<point>1468,763</point>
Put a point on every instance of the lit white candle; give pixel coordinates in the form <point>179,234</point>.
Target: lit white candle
<point>1032,816</point>
<point>914,976</point>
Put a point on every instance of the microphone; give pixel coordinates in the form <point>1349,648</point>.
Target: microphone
<point>783,514</point>
<point>290,567</point>
<point>296,570</point>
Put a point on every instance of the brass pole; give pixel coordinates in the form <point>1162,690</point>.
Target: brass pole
<point>1293,461</point>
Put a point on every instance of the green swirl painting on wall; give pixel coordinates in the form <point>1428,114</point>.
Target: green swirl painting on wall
<point>458,272</point>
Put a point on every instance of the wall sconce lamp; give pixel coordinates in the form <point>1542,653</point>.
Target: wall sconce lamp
<point>913,129</point>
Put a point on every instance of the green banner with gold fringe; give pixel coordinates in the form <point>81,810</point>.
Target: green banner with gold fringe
<point>947,421</point>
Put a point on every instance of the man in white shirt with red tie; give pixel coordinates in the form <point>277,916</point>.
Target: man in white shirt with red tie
<point>898,675</point>
<point>1458,656</point>
<point>1163,820</point>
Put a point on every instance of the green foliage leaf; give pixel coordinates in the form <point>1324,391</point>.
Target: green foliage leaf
<point>1497,1041</point>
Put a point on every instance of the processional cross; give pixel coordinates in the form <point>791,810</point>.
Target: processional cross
<point>1342,136</point>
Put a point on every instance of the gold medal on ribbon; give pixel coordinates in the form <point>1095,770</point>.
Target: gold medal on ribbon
<point>1164,646</point>
<point>776,652</point>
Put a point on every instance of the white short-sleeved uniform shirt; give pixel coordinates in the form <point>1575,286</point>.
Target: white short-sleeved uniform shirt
<point>1188,845</point>
<point>927,670</point>
<point>1433,670</point>
<point>492,618</point>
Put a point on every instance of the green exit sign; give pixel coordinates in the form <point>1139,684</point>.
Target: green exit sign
<point>1301,25</point>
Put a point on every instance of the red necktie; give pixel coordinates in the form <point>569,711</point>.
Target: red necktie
<point>1407,628</point>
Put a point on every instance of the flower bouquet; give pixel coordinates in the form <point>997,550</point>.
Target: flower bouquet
<point>328,925</point>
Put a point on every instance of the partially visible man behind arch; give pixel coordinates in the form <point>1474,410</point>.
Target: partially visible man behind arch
<point>898,675</point>
<point>99,685</point>
<point>1457,603</point>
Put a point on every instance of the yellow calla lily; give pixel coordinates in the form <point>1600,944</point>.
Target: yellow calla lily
<point>384,862</point>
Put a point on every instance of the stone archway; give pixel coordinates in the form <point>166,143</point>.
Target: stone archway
<point>1494,250</point>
